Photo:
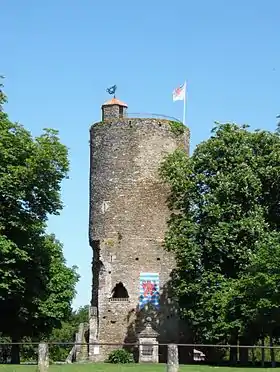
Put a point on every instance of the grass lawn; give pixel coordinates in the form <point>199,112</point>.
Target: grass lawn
<point>102,367</point>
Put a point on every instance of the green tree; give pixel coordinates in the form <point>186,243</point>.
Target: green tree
<point>36,286</point>
<point>3,97</point>
<point>66,333</point>
<point>257,293</point>
<point>225,203</point>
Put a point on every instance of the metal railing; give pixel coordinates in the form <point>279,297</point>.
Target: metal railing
<point>211,354</point>
<point>145,115</point>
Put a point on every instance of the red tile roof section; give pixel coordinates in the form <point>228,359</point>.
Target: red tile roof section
<point>114,101</point>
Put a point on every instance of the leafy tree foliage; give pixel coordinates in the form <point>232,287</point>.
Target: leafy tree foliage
<point>3,97</point>
<point>224,231</point>
<point>36,286</point>
<point>66,333</point>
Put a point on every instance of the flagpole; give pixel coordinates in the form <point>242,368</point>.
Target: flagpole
<point>184,119</point>
<point>184,112</point>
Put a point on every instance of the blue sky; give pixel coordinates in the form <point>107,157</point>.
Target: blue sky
<point>59,56</point>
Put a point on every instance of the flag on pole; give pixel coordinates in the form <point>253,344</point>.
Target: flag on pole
<point>179,94</point>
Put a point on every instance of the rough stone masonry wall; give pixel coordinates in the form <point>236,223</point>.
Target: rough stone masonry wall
<point>128,214</point>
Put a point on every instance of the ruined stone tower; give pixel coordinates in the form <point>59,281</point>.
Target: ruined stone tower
<point>128,215</point>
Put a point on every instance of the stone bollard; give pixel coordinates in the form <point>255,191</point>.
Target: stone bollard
<point>43,357</point>
<point>172,358</point>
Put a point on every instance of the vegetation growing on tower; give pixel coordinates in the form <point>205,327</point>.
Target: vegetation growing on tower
<point>176,127</point>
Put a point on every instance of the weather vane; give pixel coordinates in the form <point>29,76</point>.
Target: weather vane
<point>112,90</point>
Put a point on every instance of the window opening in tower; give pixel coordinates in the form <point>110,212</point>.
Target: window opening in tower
<point>119,291</point>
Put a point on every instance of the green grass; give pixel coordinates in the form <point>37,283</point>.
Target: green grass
<point>102,367</point>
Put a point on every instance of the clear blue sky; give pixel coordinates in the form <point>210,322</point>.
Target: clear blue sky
<point>59,56</point>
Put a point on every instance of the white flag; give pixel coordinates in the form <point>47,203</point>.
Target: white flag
<point>179,93</point>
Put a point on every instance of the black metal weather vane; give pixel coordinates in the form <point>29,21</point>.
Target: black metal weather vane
<point>112,90</point>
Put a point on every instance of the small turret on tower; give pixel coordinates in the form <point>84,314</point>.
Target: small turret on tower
<point>113,109</point>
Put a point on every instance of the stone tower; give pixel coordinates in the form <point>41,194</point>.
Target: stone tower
<point>128,215</point>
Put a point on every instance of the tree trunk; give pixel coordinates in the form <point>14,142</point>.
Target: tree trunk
<point>263,351</point>
<point>15,357</point>
<point>233,350</point>
<point>253,356</point>
<point>272,354</point>
<point>243,352</point>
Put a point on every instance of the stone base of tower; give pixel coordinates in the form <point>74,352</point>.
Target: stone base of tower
<point>121,324</point>
<point>108,329</point>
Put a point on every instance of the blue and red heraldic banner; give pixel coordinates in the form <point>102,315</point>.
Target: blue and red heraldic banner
<point>149,290</point>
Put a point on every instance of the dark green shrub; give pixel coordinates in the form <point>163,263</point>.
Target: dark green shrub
<point>120,356</point>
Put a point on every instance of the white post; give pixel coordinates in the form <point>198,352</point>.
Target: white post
<point>172,358</point>
<point>184,117</point>
<point>184,112</point>
<point>43,357</point>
